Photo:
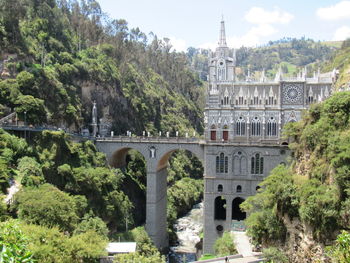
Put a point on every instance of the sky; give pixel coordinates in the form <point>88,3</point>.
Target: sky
<point>196,23</point>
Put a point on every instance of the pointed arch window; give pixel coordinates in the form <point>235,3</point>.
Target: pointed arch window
<point>311,99</point>
<point>240,127</point>
<point>239,189</point>
<point>271,127</point>
<point>271,101</point>
<point>240,100</point>
<point>222,163</point>
<point>257,164</point>
<point>256,127</point>
<point>256,101</point>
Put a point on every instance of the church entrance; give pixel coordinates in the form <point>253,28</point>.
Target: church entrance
<point>220,208</point>
<point>237,213</point>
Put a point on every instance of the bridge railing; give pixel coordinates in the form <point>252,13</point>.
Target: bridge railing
<point>150,139</point>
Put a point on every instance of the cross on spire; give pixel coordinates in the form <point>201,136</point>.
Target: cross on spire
<point>222,42</point>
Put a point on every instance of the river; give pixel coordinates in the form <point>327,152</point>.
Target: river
<point>188,229</point>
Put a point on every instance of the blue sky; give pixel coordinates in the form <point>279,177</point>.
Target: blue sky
<point>248,22</point>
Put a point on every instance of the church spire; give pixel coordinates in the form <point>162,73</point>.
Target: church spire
<point>222,42</point>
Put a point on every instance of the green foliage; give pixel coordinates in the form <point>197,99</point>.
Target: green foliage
<point>145,246</point>
<point>30,109</point>
<point>207,256</point>
<point>315,189</point>
<point>137,257</point>
<point>11,148</point>
<point>59,208</point>
<point>224,246</point>
<point>30,172</point>
<point>274,255</point>
<point>92,223</point>
<point>340,251</point>
<point>13,244</point>
<point>52,246</point>
<point>3,209</point>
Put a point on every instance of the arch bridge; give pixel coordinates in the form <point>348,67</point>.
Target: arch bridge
<point>156,152</point>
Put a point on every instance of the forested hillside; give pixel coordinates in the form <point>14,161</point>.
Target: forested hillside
<point>341,61</point>
<point>57,57</point>
<point>289,54</point>
<point>303,207</point>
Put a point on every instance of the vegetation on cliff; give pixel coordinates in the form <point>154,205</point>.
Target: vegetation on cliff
<point>306,205</point>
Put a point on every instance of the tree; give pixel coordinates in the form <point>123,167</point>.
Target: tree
<point>13,244</point>
<point>30,172</point>
<point>52,246</point>
<point>31,108</point>
<point>58,209</point>
<point>224,246</point>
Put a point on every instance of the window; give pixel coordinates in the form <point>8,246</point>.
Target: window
<point>257,164</point>
<point>311,99</point>
<point>239,189</point>
<point>220,188</point>
<point>271,101</point>
<point>271,127</point>
<point>240,127</point>
<point>213,135</point>
<point>256,101</point>
<point>217,164</point>
<point>222,163</point>
<point>240,100</point>
<point>225,135</point>
<point>256,127</point>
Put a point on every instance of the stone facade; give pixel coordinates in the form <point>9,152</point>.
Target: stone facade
<point>243,123</point>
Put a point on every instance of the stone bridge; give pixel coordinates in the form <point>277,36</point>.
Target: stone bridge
<point>156,152</point>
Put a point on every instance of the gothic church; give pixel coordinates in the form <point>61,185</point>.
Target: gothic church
<point>243,125</point>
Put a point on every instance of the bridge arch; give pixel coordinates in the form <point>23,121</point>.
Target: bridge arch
<point>118,158</point>
<point>165,156</point>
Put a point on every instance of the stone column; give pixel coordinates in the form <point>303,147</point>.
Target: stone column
<point>156,202</point>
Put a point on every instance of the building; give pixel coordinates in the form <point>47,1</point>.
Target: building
<point>243,124</point>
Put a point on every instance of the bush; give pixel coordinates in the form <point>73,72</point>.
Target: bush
<point>224,246</point>
<point>274,255</point>
<point>340,251</point>
<point>13,244</point>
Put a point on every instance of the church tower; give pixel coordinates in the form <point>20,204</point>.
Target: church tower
<point>221,65</point>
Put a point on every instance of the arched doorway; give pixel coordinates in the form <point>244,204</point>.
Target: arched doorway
<point>237,213</point>
<point>220,208</point>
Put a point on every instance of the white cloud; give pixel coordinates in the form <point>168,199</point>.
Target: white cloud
<point>335,12</point>
<point>263,21</point>
<point>178,44</point>
<point>342,33</point>
<point>249,39</point>
<point>258,15</point>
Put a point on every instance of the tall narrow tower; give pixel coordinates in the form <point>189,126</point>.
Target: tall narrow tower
<point>222,42</point>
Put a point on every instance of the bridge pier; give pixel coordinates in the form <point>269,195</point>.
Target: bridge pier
<point>156,206</point>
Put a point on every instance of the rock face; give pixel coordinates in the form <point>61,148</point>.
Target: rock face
<point>301,245</point>
<point>188,229</point>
